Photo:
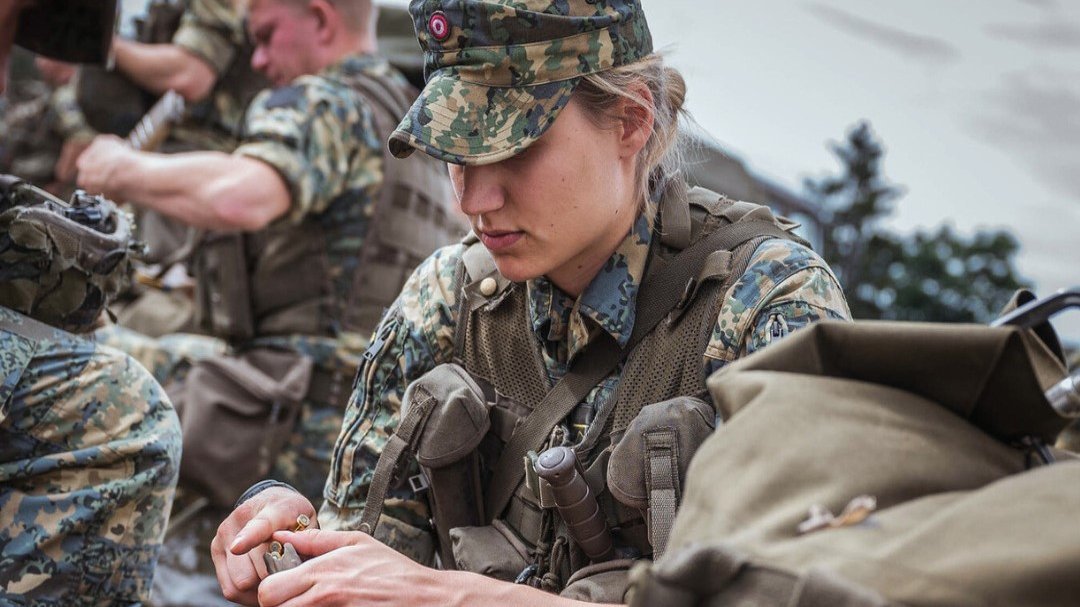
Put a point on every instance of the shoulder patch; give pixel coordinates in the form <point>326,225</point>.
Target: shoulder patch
<point>288,96</point>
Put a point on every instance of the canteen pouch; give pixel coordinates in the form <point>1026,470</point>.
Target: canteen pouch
<point>493,550</point>
<point>236,413</point>
<point>457,422</point>
<point>648,464</point>
<point>222,291</point>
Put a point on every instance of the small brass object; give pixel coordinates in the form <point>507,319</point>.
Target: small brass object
<point>302,522</point>
<point>280,557</point>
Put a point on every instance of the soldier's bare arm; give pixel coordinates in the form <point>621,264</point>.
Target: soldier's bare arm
<point>203,189</point>
<point>162,67</point>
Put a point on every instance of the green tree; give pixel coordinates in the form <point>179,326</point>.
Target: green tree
<point>931,275</point>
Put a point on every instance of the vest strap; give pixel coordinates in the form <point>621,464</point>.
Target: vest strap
<point>660,292</point>
<point>408,431</point>
<point>28,328</point>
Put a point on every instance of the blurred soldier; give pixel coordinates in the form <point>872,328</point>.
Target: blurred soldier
<point>310,235</point>
<point>89,443</point>
<point>43,123</point>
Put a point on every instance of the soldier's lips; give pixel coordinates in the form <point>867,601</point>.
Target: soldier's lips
<point>499,241</point>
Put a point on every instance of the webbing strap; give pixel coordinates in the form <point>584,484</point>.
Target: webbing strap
<point>28,328</point>
<point>591,366</point>
<point>660,292</point>
<point>396,447</point>
<point>661,481</point>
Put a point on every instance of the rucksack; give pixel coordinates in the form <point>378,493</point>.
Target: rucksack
<point>881,463</point>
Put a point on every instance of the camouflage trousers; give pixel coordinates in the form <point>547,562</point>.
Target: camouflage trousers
<point>89,453</point>
<point>304,459</point>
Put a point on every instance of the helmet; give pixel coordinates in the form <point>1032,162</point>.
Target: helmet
<point>76,31</point>
<point>61,263</point>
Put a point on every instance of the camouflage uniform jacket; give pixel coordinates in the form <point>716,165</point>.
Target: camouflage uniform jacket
<point>89,453</point>
<point>785,286</point>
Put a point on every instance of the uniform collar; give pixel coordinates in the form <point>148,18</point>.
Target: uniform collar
<point>608,303</point>
<point>352,64</point>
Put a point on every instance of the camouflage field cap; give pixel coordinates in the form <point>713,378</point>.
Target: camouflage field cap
<point>61,263</point>
<point>499,71</point>
<point>76,31</point>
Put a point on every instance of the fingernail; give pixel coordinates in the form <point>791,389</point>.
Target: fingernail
<point>239,539</point>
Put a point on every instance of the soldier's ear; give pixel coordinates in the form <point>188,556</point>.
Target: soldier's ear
<point>326,18</point>
<point>635,114</point>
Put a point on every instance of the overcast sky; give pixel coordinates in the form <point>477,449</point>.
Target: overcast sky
<point>976,101</point>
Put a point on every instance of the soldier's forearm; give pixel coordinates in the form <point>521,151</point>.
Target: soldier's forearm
<point>208,190</point>
<point>163,67</point>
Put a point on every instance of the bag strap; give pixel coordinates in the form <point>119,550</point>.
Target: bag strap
<point>28,328</point>
<point>662,483</point>
<point>662,289</point>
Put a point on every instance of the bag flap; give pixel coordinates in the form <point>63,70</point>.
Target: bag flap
<point>459,416</point>
<point>995,377</point>
<point>268,375</point>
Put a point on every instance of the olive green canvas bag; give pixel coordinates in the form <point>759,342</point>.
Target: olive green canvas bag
<point>880,463</point>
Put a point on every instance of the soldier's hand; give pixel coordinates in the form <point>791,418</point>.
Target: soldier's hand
<point>242,539</point>
<point>98,164</point>
<point>65,168</point>
<point>347,568</point>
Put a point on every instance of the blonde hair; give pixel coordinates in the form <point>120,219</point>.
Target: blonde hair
<point>662,156</point>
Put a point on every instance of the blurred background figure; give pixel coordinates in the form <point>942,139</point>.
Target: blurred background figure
<point>42,126</point>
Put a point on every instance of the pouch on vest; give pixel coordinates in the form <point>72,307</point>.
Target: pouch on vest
<point>236,413</point>
<point>493,550</point>
<point>647,468</point>
<point>458,420</point>
<point>222,293</point>
<point>877,463</point>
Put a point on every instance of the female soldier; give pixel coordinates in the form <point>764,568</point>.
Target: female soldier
<point>594,266</point>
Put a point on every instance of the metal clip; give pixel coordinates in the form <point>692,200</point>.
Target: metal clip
<point>419,483</point>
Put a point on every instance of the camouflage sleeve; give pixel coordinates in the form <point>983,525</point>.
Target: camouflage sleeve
<point>415,336</point>
<point>786,286</point>
<point>320,138</point>
<point>89,453</point>
<point>212,30</point>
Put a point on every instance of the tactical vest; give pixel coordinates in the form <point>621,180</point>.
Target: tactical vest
<point>281,280</point>
<point>496,346</point>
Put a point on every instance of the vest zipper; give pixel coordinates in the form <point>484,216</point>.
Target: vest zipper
<point>374,348</point>
<point>377,344</point>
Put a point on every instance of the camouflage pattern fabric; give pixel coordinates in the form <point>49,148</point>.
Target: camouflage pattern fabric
<point>785,285</point>
<point>318,133</point>
<point>499,71</point>
<point>167,358</point>
<point>213,31</point>
<point>34,131</point>
<point>62,263</point>
<point>89,454</point>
